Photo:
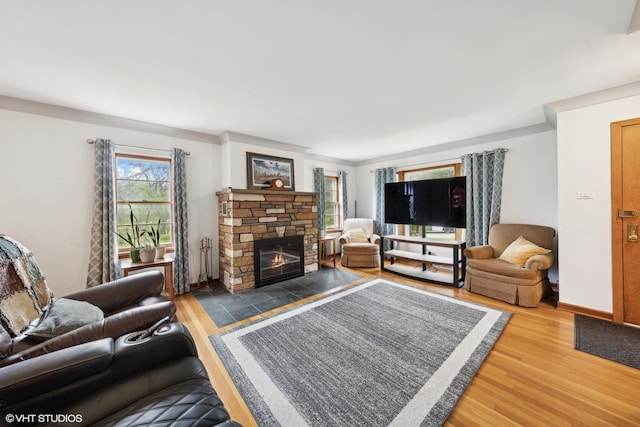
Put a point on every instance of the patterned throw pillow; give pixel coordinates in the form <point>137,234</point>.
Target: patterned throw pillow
<point>520,250</point>
<point>357,236</point>
<point>23,290</point>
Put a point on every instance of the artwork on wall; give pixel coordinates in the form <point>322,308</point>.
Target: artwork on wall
<point>262,169</point>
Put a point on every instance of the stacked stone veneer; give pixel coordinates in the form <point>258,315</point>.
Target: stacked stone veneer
<point>262,214</point>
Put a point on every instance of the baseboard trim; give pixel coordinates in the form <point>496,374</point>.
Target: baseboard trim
<point>584,310</point>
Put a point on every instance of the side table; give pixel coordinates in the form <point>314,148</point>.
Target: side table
<point>321,250</point>
<point>127,266</point>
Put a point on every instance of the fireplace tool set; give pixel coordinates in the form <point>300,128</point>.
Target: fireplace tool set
<point>205,261</point>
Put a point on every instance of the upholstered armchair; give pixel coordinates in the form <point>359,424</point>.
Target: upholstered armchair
<point>513,266</point>
<point>33,322</point>
<point>360,245</point>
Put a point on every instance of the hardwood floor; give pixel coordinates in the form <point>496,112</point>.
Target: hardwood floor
<point>532,377</point>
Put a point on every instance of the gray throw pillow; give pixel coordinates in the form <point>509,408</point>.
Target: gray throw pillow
<point>64,315</point>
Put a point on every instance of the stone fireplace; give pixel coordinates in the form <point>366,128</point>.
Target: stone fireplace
<point>248,216</point>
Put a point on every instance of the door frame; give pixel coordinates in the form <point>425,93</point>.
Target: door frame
<point>617,226</point>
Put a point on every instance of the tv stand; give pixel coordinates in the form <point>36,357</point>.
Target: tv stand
<point>427,273</point>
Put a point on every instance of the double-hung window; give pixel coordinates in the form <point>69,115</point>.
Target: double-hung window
<point>143,184</point>
<point>332,205</point>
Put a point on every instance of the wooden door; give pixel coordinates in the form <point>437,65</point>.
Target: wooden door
<point>625,168</point>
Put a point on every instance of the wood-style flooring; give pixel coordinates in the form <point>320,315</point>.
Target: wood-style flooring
<point>532,377</point>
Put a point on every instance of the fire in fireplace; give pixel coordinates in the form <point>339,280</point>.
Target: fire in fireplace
<point>278,259</point>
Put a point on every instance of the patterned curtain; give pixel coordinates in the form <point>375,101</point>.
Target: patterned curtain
<point>318,187</point>
<point>181,256</point>
<point>103,256</point>
<point>342,182</point>
<point>381,177</point>
<point>484,193</point>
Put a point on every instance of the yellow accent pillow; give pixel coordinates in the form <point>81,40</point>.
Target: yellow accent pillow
<point>357,236</point>
<point>520,250</point>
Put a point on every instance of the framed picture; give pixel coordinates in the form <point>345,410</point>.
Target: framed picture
<point>261,169</point>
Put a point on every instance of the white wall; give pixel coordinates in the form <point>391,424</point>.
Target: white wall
<point>46,171</point>
<point>236,149</point>
<point>584,165</point>
<point>529,192</point>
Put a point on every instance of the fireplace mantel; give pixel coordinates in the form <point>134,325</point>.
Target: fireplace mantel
<point>249,215</point>
<point>230,190</point>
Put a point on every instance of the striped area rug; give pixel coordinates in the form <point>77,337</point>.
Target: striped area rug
<point>377,354</point>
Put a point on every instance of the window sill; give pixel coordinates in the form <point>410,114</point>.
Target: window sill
<point>125,254</point>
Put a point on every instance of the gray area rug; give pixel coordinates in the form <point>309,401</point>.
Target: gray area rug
<point>619,343</point>
<point>376,354</point>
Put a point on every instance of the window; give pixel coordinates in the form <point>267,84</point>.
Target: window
<point>144,184</point>
<point>444,171</point>
<point>331,203</point>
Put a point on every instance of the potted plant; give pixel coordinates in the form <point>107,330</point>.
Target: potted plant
<point>147,253</point>
<point>132,239</point>
<point>154,235</point>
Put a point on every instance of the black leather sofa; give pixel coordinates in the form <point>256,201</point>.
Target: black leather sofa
<point>129,381</point>
<point>129,304</point>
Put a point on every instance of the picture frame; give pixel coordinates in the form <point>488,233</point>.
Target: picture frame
<point>262,168</point>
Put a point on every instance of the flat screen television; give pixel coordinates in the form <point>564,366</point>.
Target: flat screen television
<point>438,202</point>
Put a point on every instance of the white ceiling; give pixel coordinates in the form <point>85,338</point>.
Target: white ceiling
<point>353,79</point>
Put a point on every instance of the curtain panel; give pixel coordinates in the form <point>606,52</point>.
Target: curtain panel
<point>381,177</point>
<point>103,255</point>
<point>342,182</point>
<point>318,187</point>
<point>484,173</point>
<point>181,282</point>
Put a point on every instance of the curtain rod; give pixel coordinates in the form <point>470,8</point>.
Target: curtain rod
<point>504,150</point>
<point>93,141</point>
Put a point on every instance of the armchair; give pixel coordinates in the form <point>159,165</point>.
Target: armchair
<point>360,245</point>
<point>128,381</point>
<point>33,322</point>
<point>509,268</point>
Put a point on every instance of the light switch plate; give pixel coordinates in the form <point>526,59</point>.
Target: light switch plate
<point>584,195</point>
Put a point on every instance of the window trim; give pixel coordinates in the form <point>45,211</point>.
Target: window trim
<point>338,202</point>
<point>169,247</point>
<point>457,171</point>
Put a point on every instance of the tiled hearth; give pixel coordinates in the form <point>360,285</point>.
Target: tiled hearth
<point>249,215</point>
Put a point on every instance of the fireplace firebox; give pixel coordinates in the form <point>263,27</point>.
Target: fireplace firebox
<point>278,259</point>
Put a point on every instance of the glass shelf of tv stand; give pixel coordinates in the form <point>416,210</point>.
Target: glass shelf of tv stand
<point>457,263</point>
